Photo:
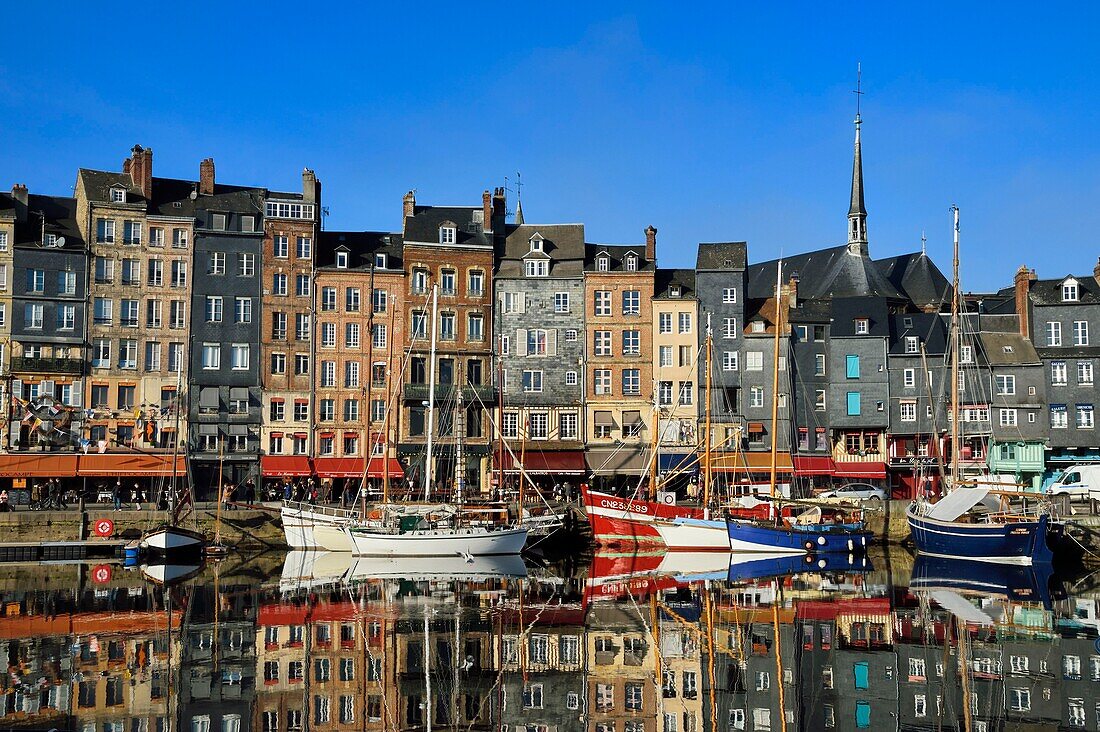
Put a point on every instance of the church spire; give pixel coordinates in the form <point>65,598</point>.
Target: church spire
<point>857,211</point>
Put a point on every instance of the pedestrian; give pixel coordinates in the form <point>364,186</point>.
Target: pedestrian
<point>116,495</point>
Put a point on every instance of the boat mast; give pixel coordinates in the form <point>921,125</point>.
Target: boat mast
<point>955,353</point>
<point>431,397</point>
<point>775,383</point>
<point>708,344</point>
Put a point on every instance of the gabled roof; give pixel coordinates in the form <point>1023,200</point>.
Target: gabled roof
<point>362,246</point>
<point>562,243</point>
<point>423,226</point>
<point>732,255</point>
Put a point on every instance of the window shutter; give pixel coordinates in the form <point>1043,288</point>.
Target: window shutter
<point>78,394</point>
<point>521,306</point>
<point>552,342</point>
<point>521,342</point>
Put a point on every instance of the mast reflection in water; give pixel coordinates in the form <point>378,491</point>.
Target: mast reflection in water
<point>630,644</point>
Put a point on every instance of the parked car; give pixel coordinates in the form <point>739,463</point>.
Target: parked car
<point>856,492</point>
<point>1080,481</point>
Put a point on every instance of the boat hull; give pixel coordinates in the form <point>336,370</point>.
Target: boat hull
<point>1016,542</point>
<point>437,542</point>
<point>747,536</point>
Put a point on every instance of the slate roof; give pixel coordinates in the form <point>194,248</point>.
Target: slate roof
<point>665,279</point>
<point>1023,352</point>
<point>423,226</point>
<point>60,214</point>
<point>616,252</point>
<point>562,243</point>
<point>716,255</point>
<point>362,246</point>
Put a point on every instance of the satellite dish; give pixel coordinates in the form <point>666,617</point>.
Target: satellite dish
<point>60,242</point>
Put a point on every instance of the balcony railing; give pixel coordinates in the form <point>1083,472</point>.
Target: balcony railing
<point>47,365</point>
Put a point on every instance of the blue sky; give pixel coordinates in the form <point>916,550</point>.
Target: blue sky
<point>712,122</point>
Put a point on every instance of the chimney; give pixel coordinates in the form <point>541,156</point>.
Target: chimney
<point>486,211</point>
<point>409,204</point>
<point>311,188</point>
<point>141,170</point>
<point>651,243</point>
<point>206,176</point>
<point>19,193</point>
<point>1024,278</point>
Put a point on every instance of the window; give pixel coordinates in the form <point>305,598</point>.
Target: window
<point>632,302</point>
<point>211,355</point>
<point>601,382</point>
<point>1084,417</point>
<point>908,411</point>
<point>1006,385</point>
<point>754,361</point>
<point>852,366</point>
<point>1058,373</point>
<point>239,356</point>
<point>853,403</point>
<point>1007,417</point>
<point>1080,332</point>
<point>729,294</point>
<point>912,344</point>
<point>602,343</point>
<point>532,381</point>
<point>216,264</point>
<point>1069,291</point>
<point>729,361</point>
<point>632,382</point>
<point>602,302</point>
<point>862,326</point>
<point>729,328</point>
<point>1054,333</point>
<point>278,283</point>
<point>632,342</point>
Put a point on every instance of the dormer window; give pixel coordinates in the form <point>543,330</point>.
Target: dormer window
<point>1070,291</point>
<point>863,326</point>
<point>341,260</point>
<point>631,263</point>
<point>603,264</point>
<point>118,195</point>
<point>447,233</point>
<point>536,243</point>
<point>380,261</point>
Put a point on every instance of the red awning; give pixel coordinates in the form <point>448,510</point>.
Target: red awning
<point>353,467</point>
<point>813,465</point>
<point>285,466</point>
<point>37,465</point>
<point>551,462</point>
<point>860,470</point>
<point>136,464</point>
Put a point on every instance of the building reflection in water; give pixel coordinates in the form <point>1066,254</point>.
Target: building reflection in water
<point>611,650</point>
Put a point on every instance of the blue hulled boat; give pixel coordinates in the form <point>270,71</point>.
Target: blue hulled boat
<point>955,526</point>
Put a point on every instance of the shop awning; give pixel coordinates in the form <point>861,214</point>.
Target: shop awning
<point>131,464</point>
<point>38,466</point>
<point>620,462</point>
<point>813,465</point>
<point>860,470</point>
<point>678,462</point>
<point>751,462</point>
<point>351,467</point>
<point>548,462</point>
<point>285,466</point>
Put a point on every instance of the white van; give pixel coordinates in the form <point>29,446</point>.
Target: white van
<point>1080,481</point>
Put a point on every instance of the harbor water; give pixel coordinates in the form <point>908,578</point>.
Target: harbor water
<point>611,643</point>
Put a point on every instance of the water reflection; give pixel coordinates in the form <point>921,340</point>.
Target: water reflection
<point>628,644</point>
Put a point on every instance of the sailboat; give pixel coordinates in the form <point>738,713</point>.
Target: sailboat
<point>974,521</point>
<point>434,530</point>
<point>171,540</point>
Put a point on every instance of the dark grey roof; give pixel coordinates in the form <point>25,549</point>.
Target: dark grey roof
<point>362,246</point>
<point>1049,292</point>
<point>1022,352</point>
<point>60,215</point>
<point>616,252</point>
<point>665,279</point>
<point>423,226</point>
<point>562,243</point>
<point>918,278</point>
<point>722,255</point>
